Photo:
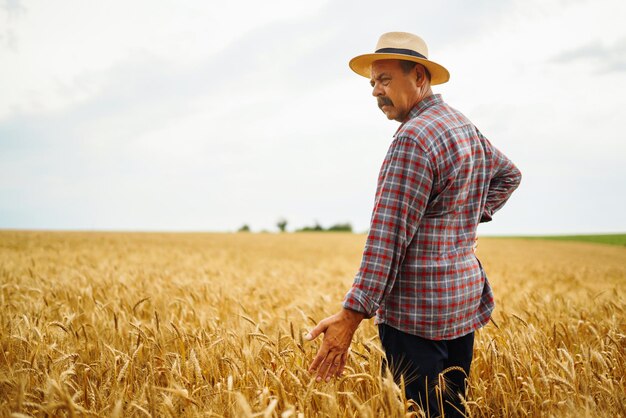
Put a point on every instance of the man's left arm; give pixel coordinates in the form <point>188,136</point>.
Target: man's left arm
<point>506,177</point>
<point>405,183</point>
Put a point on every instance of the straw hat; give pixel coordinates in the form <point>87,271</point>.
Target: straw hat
<point>403,46</point>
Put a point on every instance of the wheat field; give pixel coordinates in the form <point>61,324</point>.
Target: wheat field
<point>148,324</point>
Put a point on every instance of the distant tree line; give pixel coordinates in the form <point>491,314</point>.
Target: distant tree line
<point>346,227</point>
<point>281,224</point>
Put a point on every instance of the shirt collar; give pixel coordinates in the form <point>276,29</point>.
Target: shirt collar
<point>421,106</point>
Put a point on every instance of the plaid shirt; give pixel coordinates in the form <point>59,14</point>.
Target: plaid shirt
<point>440,178</point>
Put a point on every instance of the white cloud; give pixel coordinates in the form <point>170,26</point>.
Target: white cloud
<point>55,44</point>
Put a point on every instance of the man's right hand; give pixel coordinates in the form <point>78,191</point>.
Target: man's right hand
<point>332,356</point>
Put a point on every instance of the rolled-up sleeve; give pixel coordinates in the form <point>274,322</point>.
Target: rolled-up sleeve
<point>404,186</point>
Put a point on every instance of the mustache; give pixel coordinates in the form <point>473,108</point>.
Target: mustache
<point>384,101</point>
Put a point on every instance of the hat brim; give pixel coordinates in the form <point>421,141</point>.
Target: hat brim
<point>362,65</point>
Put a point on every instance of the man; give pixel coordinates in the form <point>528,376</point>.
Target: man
<point>419,274</point>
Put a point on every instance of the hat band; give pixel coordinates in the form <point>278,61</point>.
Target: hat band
<point>400,51</point>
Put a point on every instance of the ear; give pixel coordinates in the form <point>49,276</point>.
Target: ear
<point>420,74</point>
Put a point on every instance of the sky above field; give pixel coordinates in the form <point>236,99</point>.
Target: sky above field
<point>205,115</point>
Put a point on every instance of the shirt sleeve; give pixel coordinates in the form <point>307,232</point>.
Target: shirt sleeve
<point>404,186</point>
<point>505,179</point>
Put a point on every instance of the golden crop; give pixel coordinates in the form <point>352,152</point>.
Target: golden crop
<point>133,324</point>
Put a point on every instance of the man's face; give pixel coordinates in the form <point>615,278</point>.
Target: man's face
<point>395,91</point>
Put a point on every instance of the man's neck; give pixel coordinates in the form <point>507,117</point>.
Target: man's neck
<point>427,93</point>
<point>423,95</point>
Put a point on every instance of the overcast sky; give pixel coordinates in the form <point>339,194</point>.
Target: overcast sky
<point>205,115</point>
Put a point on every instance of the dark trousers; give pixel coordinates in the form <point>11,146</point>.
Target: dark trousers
<point>420,361</point>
